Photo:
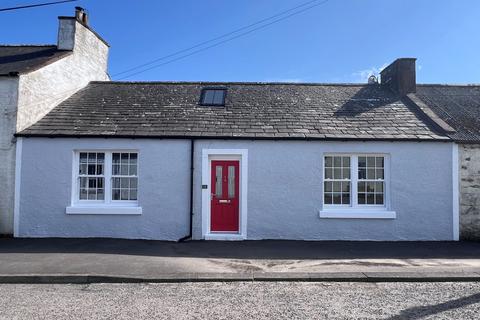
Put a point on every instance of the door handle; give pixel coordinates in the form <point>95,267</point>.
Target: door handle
<point>224,201</point>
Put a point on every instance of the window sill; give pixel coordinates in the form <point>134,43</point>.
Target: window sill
<point>103,210</point>
<point>357,214</point>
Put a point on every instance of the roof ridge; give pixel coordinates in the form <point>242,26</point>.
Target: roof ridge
<point>236,83</point>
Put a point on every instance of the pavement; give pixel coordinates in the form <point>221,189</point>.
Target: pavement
<point>55,260</point>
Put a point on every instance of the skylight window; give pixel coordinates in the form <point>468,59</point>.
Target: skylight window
<point>213,97</point>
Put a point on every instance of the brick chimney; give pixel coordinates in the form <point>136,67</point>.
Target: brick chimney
<point>400,76</point>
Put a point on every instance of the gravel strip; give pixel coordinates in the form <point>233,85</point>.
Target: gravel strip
<point>242,300</point>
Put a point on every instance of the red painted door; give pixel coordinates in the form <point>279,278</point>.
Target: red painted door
<point>224,198</point>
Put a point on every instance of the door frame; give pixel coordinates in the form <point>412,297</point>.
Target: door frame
<point>224,154</point>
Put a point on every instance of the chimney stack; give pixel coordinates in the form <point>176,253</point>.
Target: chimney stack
<point>400,76</point>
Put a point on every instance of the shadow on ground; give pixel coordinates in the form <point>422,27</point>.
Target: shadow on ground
<point>265,249</point>
<point>425,311</point>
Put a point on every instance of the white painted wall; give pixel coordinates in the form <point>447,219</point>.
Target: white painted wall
<point>284,190</point>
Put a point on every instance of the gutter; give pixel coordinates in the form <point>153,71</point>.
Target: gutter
<point>192,151</point>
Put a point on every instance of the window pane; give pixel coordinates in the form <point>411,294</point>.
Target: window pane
<point>115,169</point>
<point>116,194</point>
<point>361,186</point>
<point>328,186</point>
<point>124,169</point>
<point>370,198</point>
<point>346,187</point>
<point>378,186</point>
<point>380,174</point>
<point>328,173</point>
<point>116,158</point>
<point>92,157</point>
<point>346,198</point>
<point>100,195</point>
<point>133,170</point>
<point>231,181</point>
<point>362,173</point>
<point>208,96</point>
<point>218,97</point>
<point>328,198</point>
<point>361,198</point>
<point>346,161</point>
<point>379,162</point>
<point>379,198</point>
<point>370,162</point>
<point>362,162</point>
<point>337,161</point>
<point>124,183</point>
<point>133,183</point>
<point>346,173</point>
<point>370,173</point>
<point>337,198</point>
<point>133,194</point>
<point>328,162</point>
<point>83,169</point>
<point>337,186</point>
<point>218,181</point>
<point>83,194</point>
<point>370,186</point>
<point>91,169</point>
<point>124,158</point>
<point>83,157</point>
<point>124,194</point>
<point>133,158</point>
<point>337,173</point>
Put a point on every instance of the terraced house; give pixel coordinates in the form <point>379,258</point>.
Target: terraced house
<point>393,160</point>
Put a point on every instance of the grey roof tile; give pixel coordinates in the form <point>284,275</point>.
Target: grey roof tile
<point>457,105</point>
<point>252,110</point>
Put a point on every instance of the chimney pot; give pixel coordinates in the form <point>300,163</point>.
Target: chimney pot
<point>400,76</point>
<point>81,15</point>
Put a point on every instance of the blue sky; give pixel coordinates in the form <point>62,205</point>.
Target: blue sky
<point>339,41</point>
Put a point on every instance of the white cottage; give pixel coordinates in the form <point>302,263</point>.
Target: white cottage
<point>233,161</point>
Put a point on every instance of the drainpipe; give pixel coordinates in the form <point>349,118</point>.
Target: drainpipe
<point>192,151</point>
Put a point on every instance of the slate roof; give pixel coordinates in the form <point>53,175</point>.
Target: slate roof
<point>252,110</point>
<point>27,58</point>
<point>457,105</point>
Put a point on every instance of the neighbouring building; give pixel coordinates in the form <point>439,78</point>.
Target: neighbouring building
<point>459,106</point>
<point>36,78</point>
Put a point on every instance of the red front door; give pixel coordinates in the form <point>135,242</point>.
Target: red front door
<point>224,203</point>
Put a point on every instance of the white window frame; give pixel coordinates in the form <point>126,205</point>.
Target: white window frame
<point>106,206</point>
<point>355,210</point>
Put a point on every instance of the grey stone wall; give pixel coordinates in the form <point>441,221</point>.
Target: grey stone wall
<point>469,191</point>
<point>27,98</point>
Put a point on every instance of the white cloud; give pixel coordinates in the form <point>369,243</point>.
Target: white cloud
<point>362,75</point>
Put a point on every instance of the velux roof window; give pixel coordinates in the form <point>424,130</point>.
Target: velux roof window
<point>213,97</point>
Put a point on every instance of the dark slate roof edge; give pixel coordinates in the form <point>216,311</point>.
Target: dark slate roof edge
<point>88,27</point>
<point>186,137</point>
<point>63,54</point>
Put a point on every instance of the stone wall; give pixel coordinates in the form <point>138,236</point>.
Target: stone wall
<point>469,191</point>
